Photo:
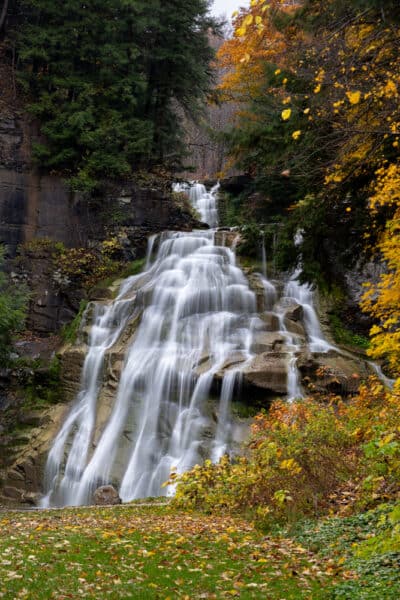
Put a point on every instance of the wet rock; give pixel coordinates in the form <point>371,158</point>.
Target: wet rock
<point>31,498</point>
<point>256,285</point>
<point>267,341</point>
<point>295,312</point>
<point>12,493</point>
<point>16,475</point>
<point>294,327</point>
<point>268,371</point>
<point>101,293</point>
<point>271,321</point>
<point>106,495</point>
<point>71,360</point>
<point>33,418</point>
<point>226,237</point>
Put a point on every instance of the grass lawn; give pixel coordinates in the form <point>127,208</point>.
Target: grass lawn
<point>146,552</point>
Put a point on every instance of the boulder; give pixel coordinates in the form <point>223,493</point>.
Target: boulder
<point>294,327</point>
<point>271,321</point>
<point>295,312</point>
<point>106,495</point>
<point>268,371</point>
<point>267,341</point>
<point>332,372</point>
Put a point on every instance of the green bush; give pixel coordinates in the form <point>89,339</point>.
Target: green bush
<point>13,304</point>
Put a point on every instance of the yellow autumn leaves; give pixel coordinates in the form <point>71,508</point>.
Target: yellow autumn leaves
<point>249,20</point>
<point>354,97</point>
<point>286,114</point>
<point>382,299</point>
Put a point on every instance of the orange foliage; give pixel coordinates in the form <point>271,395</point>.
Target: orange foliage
<point>256,41</point>
<point>382,300</point>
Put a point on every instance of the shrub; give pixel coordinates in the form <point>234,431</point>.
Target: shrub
<point>301,454</point>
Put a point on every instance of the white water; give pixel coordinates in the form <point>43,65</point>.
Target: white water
<point>198,315</point>
<point>198,312</point>
<point>205,203</point>
<point>264,256</point>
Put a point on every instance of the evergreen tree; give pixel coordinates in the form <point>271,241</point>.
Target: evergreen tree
<point>107,78</point>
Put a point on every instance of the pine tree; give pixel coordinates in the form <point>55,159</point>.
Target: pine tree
<point>106,78</point>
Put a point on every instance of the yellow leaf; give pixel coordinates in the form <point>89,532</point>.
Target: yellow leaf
<point>296,134</point>
<point>306,111</point>
<point>286,114</point>
<point>390,88</point>
<point>354,97</point>
<point>258,20</point>
<point>317,89</point>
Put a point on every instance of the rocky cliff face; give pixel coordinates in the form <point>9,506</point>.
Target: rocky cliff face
<point>39,206</point>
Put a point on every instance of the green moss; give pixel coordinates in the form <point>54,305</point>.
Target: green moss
<point>43,387</point>
<point>69,332</point>
<point>244,411</point>
<point>133,268</point>
<point>343,335</point>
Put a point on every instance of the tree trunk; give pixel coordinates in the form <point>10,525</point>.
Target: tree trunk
<point>3,14</point>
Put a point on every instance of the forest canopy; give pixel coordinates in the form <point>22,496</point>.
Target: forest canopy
<point>106,81</point>
<point>318,131</point>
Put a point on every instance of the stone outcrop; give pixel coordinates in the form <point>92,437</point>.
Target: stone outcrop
<point>106,495</point>
<point>22,475</point>
<point>43,209</point>
<point>336,372</point>
<point>268,372</point>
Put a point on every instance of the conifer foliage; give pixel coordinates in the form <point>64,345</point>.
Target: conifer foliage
<point>107,78</point>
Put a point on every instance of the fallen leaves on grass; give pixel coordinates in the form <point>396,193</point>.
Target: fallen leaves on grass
<point>149,552</point>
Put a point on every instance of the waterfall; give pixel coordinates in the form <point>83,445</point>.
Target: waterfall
<point>263,256</point>
<point>195,319</point>
<point>198,311</point>
<point>205,203</point>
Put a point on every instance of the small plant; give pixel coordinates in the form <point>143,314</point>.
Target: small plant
<point>343,335</point>
<point>13,304</point>
<point>41,385</point>
<point>69,332</point>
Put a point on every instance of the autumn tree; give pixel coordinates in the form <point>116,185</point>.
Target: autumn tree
<point>321,116</point>
<point>382,299</point>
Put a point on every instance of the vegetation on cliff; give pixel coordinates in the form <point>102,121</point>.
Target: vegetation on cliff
<point>13,303</point>
<point>108,81</point>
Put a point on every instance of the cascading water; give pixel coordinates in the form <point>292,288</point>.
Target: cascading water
<point>198,322</point>
<point>198,311</point>
<point>205,203</point>
<point>294,294</point>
